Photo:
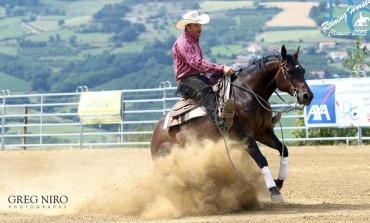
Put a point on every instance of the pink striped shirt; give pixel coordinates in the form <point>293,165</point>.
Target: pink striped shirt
<point>188,58</point>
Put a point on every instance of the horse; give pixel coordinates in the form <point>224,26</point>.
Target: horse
<point>253,120</point>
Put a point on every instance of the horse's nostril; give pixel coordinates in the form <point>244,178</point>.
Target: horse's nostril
<point>307,96</point>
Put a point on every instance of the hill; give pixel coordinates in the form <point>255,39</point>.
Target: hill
<point>57,45</point>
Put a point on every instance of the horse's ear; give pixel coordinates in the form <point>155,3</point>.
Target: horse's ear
<point>283,53</point>
<point>296,53</point>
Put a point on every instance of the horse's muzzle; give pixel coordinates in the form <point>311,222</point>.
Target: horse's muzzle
<point>305,98</point>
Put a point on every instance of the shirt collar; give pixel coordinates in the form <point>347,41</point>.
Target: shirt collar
<point>187,34</point>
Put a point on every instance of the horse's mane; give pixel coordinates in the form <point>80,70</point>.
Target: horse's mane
<point>260,62</point>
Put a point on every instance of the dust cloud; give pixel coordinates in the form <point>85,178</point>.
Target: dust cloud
<point>195,181</point>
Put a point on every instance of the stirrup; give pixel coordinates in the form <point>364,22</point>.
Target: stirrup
<point>228,113</point>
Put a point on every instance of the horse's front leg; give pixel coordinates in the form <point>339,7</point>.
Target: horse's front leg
<point>261,161</point>
<point>271,140</point>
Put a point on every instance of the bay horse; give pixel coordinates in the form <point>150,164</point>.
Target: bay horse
<point>253,119</point>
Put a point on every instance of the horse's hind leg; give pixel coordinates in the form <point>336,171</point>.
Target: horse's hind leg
<point>161,142</point>
<point>161,149</point>
<point>261,161</point>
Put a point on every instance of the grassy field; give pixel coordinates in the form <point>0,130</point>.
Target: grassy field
<point>80,12</point>
<point>10,50</point>
<point>227,50</point>
<point>17,85</point>
<point>211,6</point>
<point>79,8</point>
<point>11,27</point>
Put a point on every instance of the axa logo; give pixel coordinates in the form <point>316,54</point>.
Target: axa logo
<point>318,112</point>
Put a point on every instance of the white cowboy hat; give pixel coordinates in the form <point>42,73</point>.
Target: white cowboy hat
<point>192,17</point>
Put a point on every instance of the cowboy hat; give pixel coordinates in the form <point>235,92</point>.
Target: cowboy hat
<point>192,17</point>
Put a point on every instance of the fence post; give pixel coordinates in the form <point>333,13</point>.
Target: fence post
<point>25,122</point>
<point>81,135</point>
<point>3,93</point>
<point>41,117</point>
<point>81,89</point>
<point>164,85</point>
<point>359,135</point>
<point>123,116</point>
<point>335,134</point>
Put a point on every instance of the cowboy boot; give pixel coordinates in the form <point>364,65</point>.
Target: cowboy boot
<point>228,113</point>
<point>276,118</point>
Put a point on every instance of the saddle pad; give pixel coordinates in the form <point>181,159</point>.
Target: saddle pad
<point>182,107</point>
<point>172,121</point>
<point>182,103</point>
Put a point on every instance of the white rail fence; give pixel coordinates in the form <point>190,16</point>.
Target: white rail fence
<point>51,120</point>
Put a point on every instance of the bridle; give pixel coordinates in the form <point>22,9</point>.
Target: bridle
<point>287,76</point>
<point>262,101</point>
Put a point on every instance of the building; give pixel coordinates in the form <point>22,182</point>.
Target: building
<point>336,56</point>
<point>254,48</point>
<point>324,46</point>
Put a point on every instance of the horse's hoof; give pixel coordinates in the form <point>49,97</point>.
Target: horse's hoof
<point>277,199</point>
<point>279,184</point>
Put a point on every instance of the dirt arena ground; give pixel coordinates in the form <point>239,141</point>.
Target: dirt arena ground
<point>325,184</point>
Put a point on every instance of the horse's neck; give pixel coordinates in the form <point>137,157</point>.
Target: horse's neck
<point>263,82</point>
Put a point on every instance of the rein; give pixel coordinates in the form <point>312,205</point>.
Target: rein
<point>262,101</point>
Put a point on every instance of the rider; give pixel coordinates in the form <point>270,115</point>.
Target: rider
<point>191,68</point>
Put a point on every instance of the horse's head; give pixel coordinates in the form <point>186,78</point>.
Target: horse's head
<point>291,79</point>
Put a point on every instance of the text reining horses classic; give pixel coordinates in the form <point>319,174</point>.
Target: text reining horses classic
<point>253,119</point>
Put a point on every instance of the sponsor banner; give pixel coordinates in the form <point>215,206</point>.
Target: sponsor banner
<point>353,102</point>
<point>321,111</point>
<point>100,107</point>
<point>339,103</point>
<point>350,20</point>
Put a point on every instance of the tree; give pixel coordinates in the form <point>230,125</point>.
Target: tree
<point>322,6</point>
<point>337,3</point>
<point>195,5</point>
<point>73,40</point>
<point>356,60</point>
<point>61,22</point>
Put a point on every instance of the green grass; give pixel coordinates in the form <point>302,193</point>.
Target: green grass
<point>12,31</point>
<point>65,34</point>
<point>79,8</point>
<point>285,122</point>
<point>211,6</point>
<point>45,24</point>
<point>76,21</point>
<point>94,37</point>
<point>10,21</point>
<point>83,53</point>
<point>12,51</point>
<point>13,84</point>
<point>152,8</point>
<point>227,50</point>
<point>129,48</point>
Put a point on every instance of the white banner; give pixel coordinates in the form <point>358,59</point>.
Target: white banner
<point>343,102</point>
<point>353,102</point>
